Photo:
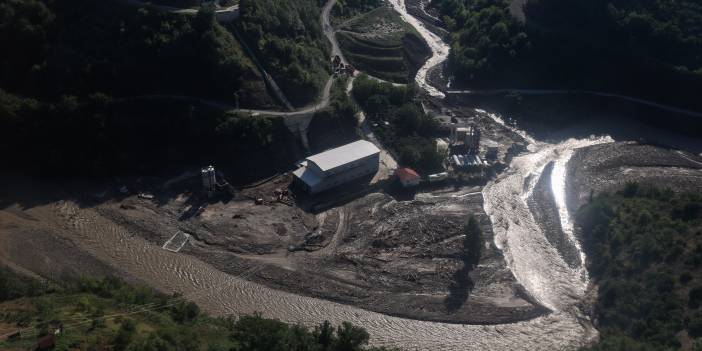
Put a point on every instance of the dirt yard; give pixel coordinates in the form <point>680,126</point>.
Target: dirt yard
<point>396,255</point>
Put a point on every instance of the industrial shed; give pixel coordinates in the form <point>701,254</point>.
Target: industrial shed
<point>338,166</point>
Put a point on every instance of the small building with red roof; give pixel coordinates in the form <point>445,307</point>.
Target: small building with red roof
<point>408,177</point>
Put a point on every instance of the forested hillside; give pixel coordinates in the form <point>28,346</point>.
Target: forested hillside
<point>644,249</point>
<point>647,48</point>
<point>80,47</point>
<point>80,84</point>
<point>287,37</point>
<point>101,136</point>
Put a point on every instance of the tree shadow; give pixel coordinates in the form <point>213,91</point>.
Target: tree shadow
<point>463,284</point>
<point>460,288</point>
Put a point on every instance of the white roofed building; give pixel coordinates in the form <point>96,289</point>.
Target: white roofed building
<point>338,166</point>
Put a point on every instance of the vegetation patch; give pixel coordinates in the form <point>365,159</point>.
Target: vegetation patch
<point>347,9</point>
<point>83,47</point>
<point>399,122</point>
<point>638,47</point>
<point>287,38</point>
<point>191,3</point>
<point>107,314</point>
<point>380,43</point>
<point>336,125</point>
<point>98,135</point>
<point>644,249</point>
<point>105,88</point>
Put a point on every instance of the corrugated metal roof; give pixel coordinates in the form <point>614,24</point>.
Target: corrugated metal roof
<point>333,158</point>
<point>310,177</point>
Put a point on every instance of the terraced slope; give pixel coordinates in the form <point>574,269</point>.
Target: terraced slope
<point>381,44</point>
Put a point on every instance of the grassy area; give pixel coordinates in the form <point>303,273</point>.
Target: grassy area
<point>380,43</point>
<point>108,314</point>
<point>644,249</point>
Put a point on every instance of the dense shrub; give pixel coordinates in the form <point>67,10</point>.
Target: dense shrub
<point>349,8</point>
<point>287,37</point>
<point>163,323</point>
<point>13,286</point>
<point>399,122</point>
<point>634,245</point>
<point>82,47</point>
<point>101,136</point>
<point>640,47</point>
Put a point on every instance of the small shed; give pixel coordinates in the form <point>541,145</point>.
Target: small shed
<point>408,177</point>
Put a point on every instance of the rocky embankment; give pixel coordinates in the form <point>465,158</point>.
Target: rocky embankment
<point>608,167</point>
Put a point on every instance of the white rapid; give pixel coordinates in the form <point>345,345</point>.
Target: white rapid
<point>439,49</point>
<point>559,190</point>
<point>537,264</point>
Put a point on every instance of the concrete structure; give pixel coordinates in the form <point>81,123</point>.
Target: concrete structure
<point>338,166</point>
<point>466,139</point>
<point>442,147</point>
<point>407,177</point>
<point>209,180</point>
<point>438,177</point>
<point>491,149</point>
<point>467,162</point>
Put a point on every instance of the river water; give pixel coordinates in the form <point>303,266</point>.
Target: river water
<point>439,49</point>
<point>535,263</point>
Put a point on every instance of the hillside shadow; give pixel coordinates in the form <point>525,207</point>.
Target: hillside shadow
<point>30,191</point>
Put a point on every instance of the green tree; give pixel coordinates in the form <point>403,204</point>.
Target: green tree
<point>350,337</point>
<point>325,335</point>
<point>125,335</point>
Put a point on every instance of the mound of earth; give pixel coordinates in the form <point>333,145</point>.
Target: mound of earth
<point>381,44</point>
<point>607,167</point>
